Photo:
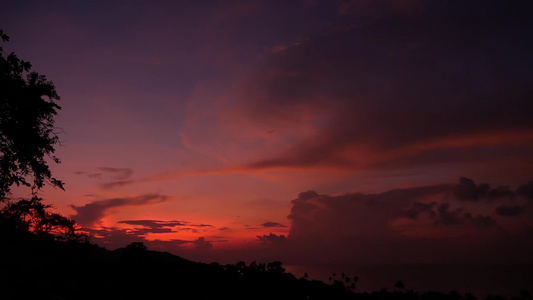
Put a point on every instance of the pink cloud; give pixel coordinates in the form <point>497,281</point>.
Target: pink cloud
<point>382,95</point>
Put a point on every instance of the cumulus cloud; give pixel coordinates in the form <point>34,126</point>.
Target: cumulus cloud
<point>92,212</point>
<point>202,244</point>
<point>418,208</point>
<point>357,215</point>
<point>501,192</point>
<point>467,190</point>
<point>419,224</point>
<point>441,214</point>
<point>510,210</point>
<point>272,238</point>
<point>482,222</point>
<point>447,217</point>
<point>526,190</point>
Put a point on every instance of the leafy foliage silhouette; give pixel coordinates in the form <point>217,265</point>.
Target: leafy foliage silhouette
<point>27,138</point>
<point>27,109</point>
<point>34,217</point>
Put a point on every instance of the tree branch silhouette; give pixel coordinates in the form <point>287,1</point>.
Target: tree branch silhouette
<point>27,140</point>
<point>27,109</point>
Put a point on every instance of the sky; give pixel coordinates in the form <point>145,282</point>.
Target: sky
<point>306,131</point>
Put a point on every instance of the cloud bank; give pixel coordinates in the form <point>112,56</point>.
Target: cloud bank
<point>423,224</point>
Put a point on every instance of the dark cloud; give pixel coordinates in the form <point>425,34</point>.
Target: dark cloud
<point>154,223</point>
<point>91,213</point>
<point>417,208</point>
<point>359,216</point>
<point>120,177</point>
<point>468,190</point>
<point>145,231</point>
<point>201,225</point>
<point>90,175</point>
<point>501,192</point>
<point>272,224</point>
<point>526,190</point>
<point>119,173</point>
<point>482,222</point>
<point>419,224</point>
<point>443,215</point>
<point>158,226</point>
<point>114,184</point>
<point>402,83</point>
<point>447,217</point>
<point>153,226</point>
<point>272,238</point>
<point>201,244</point>
<point>510,210</point>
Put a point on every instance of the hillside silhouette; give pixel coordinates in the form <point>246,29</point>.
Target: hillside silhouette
<point>38,266</point>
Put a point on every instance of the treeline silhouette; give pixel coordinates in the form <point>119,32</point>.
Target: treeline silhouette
<point>40,266</point>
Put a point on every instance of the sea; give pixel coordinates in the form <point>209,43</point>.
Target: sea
<point>480,280</point>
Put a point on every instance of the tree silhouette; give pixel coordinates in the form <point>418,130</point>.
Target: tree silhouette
<point>27,109</point>
<point>33,216</point>
<point>399,285</point>
<point>27,139</point>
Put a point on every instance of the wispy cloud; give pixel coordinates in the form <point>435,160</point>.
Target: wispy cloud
<point>121,183</point>
<point>92,212</point>
<point>119,173</point>
<point>143,227</point>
